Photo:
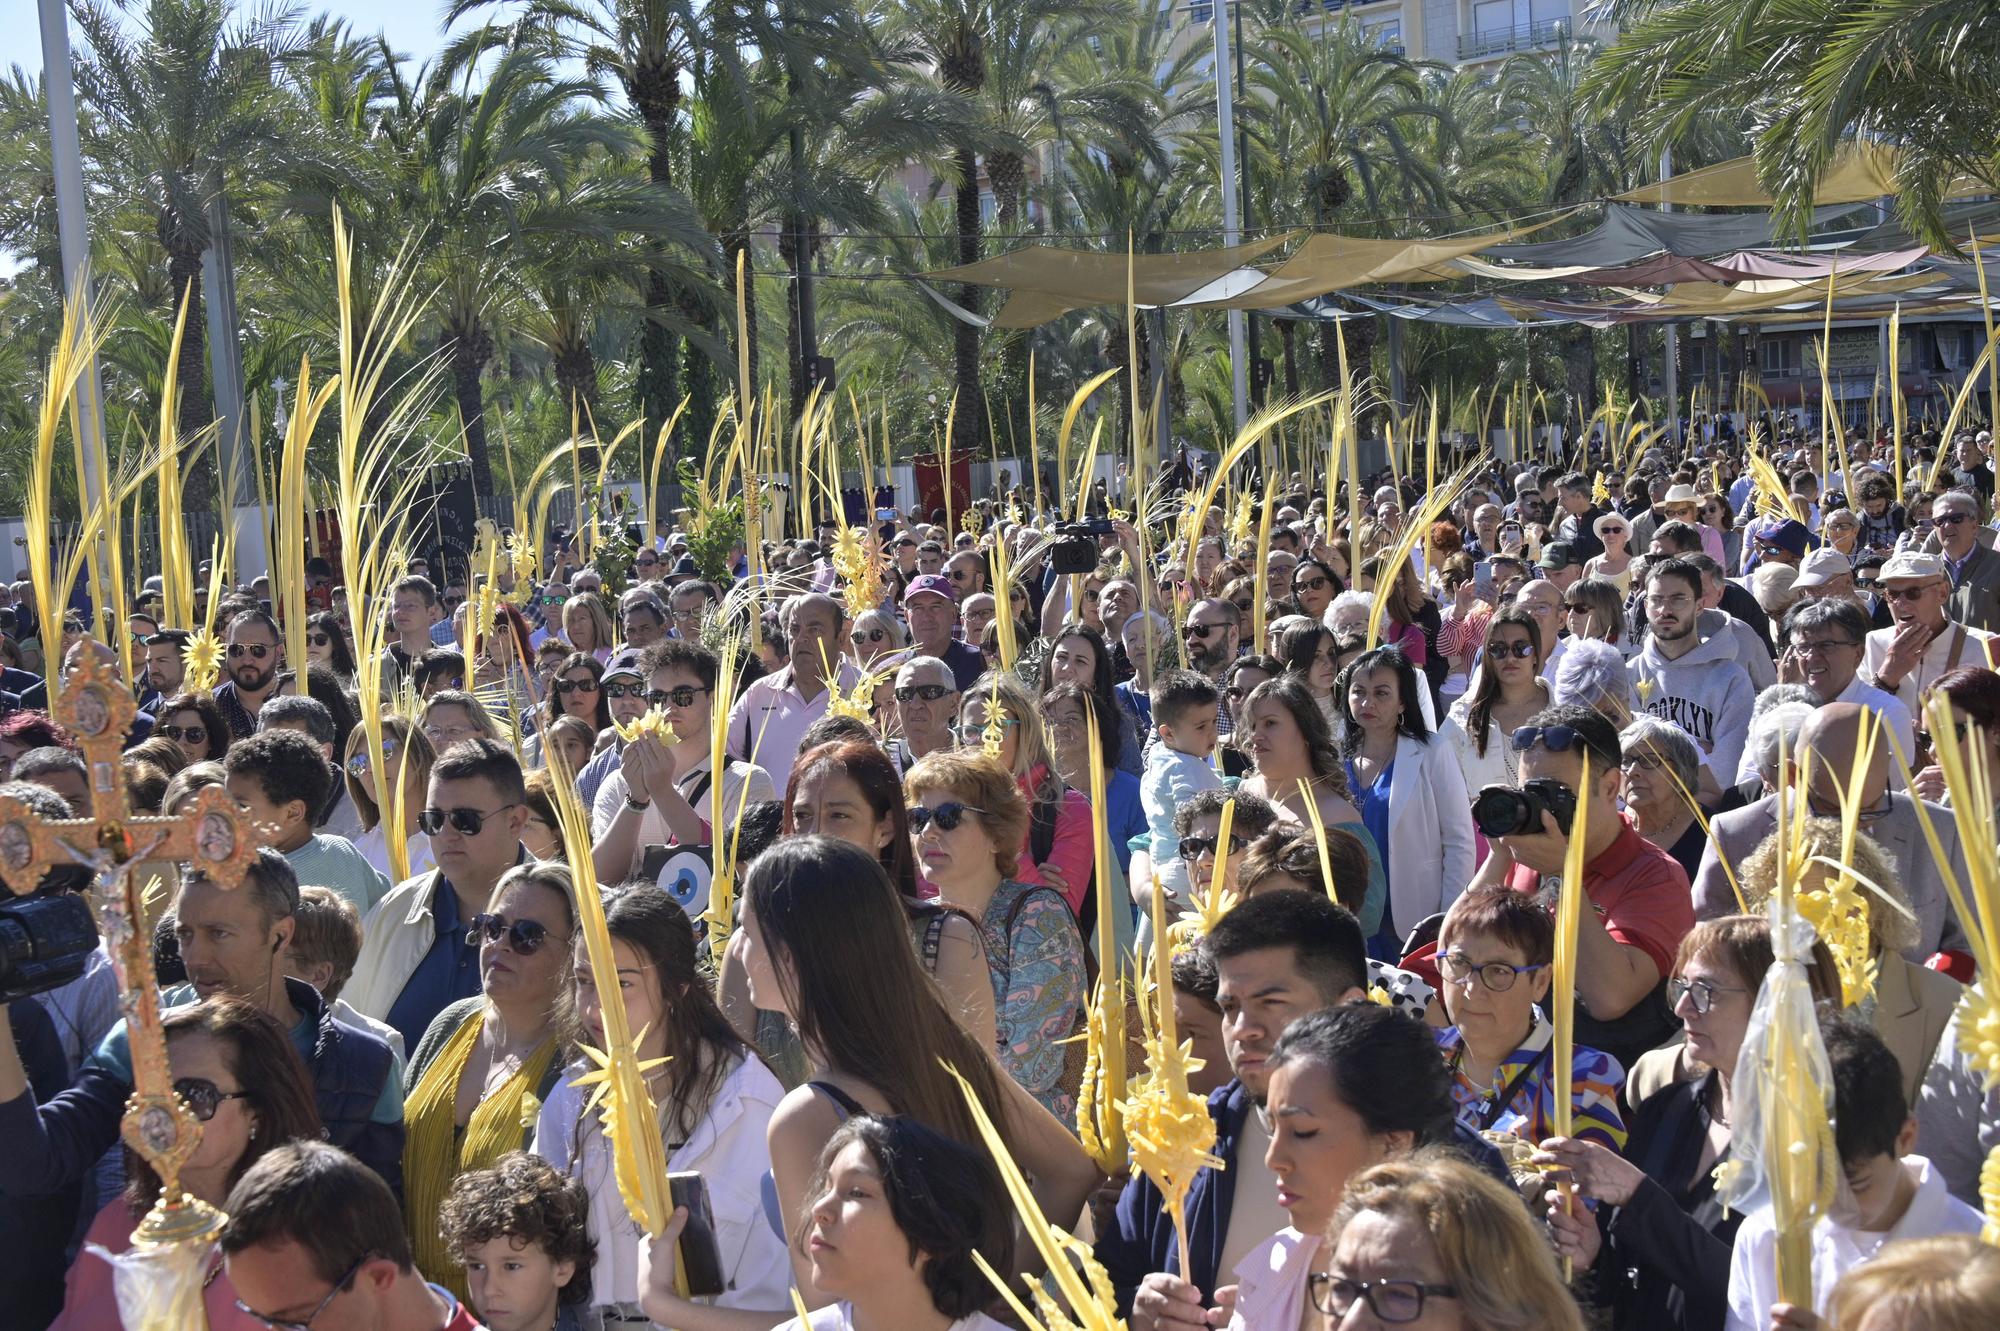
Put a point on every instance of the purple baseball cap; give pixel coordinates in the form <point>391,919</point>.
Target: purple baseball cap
<point>935,584</point>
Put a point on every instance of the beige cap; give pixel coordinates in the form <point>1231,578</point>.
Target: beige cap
<point>1910,566</point>
<point>1681,494</point>
<point>1823,566</point>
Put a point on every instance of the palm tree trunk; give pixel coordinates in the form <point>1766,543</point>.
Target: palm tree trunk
<point>1288,334</point>
<point>968,433</point>
<point>1009,179</point>
<point>196,411</point>
<point>655,91</point>
<point>468,350</point>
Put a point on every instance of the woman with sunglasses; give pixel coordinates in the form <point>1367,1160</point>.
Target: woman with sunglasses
<point>1294,759</point>
<point>576,690</point>
<point>486,1062</point>
<point>1973,694</point>
<point>876,634</point>
<point>1507,690</point>
<point>1595,608</point>
<point>968,821</point>
<point>1659,1238</point>
<point>1349,1087</point>
<point>1313,587</point>
<point>714,1100</point>
<point>1410,793</point>
<point>1614,530</point>
<point>814,948</point>
<point>193,721</point>
<point>1056,848</point>
<point>1435,1244</point>
<point>1718,513</point>
<point>398,738</point>
<point>1079,655</point>
<point>241,1077</point>
<point>327,645</point>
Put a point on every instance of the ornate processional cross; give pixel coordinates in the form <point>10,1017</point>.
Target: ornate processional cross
<point>213,834</point>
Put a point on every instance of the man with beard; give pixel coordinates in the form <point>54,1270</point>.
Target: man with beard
<point>1212,637</point>
<point>1694,684</point>
<point>164,669</point>
<point>256,653</point>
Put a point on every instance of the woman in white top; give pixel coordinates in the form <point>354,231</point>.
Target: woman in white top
<point>1615,564</point>
<point>1506,692</point>
<point>897,1212</point>
<point>405,750</point>
<point>715,1101</point>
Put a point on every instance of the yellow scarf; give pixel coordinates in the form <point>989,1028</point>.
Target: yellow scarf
<point>433,1153</point>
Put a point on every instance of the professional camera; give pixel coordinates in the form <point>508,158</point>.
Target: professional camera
<point>1506,811</point>
<point>1075,548</point>
<point>44,942</point>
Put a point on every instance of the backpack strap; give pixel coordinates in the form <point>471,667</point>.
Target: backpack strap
<point>933,935</point>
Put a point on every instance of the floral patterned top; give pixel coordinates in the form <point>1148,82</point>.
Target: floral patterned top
<point>1529,1112</point>
<point>1034,955</point>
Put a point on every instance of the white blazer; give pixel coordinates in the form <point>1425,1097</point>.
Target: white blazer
<point>1429,855</point>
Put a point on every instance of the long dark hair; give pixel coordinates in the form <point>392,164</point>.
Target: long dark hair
<point>703,1045</point>
<point>1411,722</point>
<point>1480,714</point>
<point>1297,699</point>
<point>552,705</point>
<point>858,992</point>
<point>1101,681</point>
<point>1110,743</point>
<point>343,647</point>
<point>202,705</point>
<point>875,775</point>
<point>268,1070</point>
<point>1388,1074</point>
<point>1299,644</point>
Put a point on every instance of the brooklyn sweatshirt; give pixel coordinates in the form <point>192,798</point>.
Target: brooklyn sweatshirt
<point>1706,693</point>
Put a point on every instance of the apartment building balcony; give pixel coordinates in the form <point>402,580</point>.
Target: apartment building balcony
<point>1485,43</point>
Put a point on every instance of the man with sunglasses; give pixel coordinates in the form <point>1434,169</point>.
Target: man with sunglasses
<point>315,1244</point>
<point>1639,907</point>
<point>966,572</point>
<point>1213,637</point>
<point>1831,736</point>
<point>1969,560</point>
<point>1924,642</point>
<point>931,607</point>
<point>415,960</point>
<point>661,795</point>
<point>255,655</point>
<point>233,943</point>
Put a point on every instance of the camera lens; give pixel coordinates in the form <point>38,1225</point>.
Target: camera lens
<point>1501,811</point>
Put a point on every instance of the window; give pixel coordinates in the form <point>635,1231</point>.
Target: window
<point>1780,355</point>
<point>1387,34</point>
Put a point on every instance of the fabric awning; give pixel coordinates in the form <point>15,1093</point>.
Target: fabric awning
<point>1860,172</point>
<point>1627,235</point>
<point>1329,262</point>
<point>1048,282</point>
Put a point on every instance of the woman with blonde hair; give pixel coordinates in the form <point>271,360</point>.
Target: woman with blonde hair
<point>586,626</point>
<point>1947,1283</point>
<point>1433,1232</point>
<point>407,752</point>
<point>1056,848</point>
<point>452,716</point>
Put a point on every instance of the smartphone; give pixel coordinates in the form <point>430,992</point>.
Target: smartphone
<point>700,1258</point>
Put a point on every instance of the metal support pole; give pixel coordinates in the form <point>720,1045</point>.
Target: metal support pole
<point>72,221</point>
<point>1242,188</point>
<point>1239,388</point>
<point>225,353</point>
<point>1672,377</point>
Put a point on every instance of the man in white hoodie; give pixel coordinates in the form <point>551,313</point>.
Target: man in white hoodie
<point>1695,684</point>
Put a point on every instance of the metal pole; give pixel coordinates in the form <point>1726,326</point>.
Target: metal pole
<point>225,351</point>
<point>1672,378</point>
<point>1256,344</point>
<point>1239,389</point>
<point>72,222</point>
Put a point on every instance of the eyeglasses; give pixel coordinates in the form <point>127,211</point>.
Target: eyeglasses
<point>624,690</point>
<point>1389,1300</point>
<point>947,816</point>
<point>1520,650</point>
<point>278,1325</point>
<point>1613,531</point>
<point>524,937</point>
<point>1497,976</point>
<point>1820,647</point>
<point>1317,584</point>
<point>467,822</point>
<point>969,733</point>
<point>1907,593</point>
<point>440,736</point>
<point>1244,607</point>
<point>186,734</point>
<point>1194,847</point>
<point>959,575</point>
<point>255,650</point>
<point>1958,728</point>
<point>319,639</point>
<point>682,695</point>
<point>576,686</point>
<point>1951,519</point>
<point>1700,994</point>
<point>1577,607</point>
<point>928,692</point>
<point>646,561</point>
<point>202,1097</point>
<point>871,635</point>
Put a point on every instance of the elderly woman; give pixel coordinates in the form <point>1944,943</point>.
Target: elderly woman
<point>1910,1004</point>
<point>1774,731</point>
<point>1775,587</point>
<point>876,634</point>
<point>1615,564</point>
<point>1662,767</point>
<point>1592,674</point>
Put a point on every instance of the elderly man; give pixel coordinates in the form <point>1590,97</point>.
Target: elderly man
<point>1544,600</point>
<point>1829,738</point>
<point>1826,641</point>
<point>926,706</point>
<point>1826,574</point>
<point>1974,569</point>
<point>932,612</point>
<point>1923,643</point>
<point>773,714</point>
<point>642,617</point>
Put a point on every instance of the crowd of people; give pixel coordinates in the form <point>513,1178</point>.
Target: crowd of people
<point>1355,757</point>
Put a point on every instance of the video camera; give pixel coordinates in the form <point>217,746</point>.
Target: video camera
<point>1505,811</point>
<point>1075,548</point>
<point>44,942</point>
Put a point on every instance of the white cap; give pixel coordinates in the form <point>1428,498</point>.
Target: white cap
<point>1822,566</point>
<point>1910,566</point>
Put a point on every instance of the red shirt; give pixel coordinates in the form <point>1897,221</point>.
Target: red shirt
<point>1638,889</point>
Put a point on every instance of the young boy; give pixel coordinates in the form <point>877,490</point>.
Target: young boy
<point>278,777</point>
<point>1177,768</point>
<point>326,942</point>
<point>522,1230</point>
<point>1891,1194</point>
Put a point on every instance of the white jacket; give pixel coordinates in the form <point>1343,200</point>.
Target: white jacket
<point>1430,855</point>
<point>395,937</point>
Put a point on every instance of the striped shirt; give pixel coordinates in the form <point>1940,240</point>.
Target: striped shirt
<point>1530,1109</point>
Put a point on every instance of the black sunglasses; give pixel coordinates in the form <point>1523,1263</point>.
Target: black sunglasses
<point>524,937</point>
<point>1519,650</point>
<point>947,816</point>
<point>465,821</point>
<point>1556,739</point>
<point>256,650</point>
<point>320,639</point>
<point>1194,847</point>
<point>928,692</point>
<point>202,1097</point>
<point>624,690</point>
<point>870,635</point>
<point>681,696</point>
<point>187,734</point>
<point>576,686</point>
<point>1199,630</point>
